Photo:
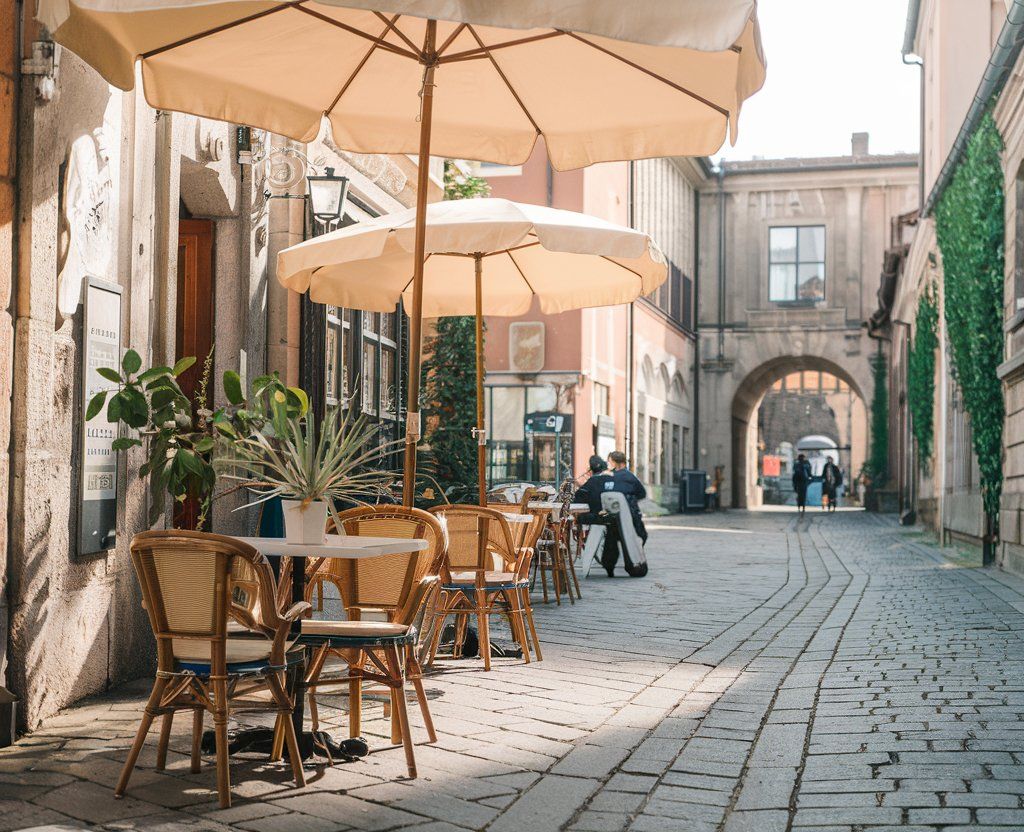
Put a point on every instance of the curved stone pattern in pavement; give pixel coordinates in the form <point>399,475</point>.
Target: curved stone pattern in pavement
<point>770,674</point>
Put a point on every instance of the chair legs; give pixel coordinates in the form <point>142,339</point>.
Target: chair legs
<point>220,732</point>
<point>165,738</point>
<point>197,739</point>
<point>394,665</point>
<point>528,612</point>
<point>140,736</point>
<point>414,672</point>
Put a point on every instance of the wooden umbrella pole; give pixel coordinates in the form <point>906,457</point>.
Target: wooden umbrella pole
<point>412,423</point>
<point>481,431</point>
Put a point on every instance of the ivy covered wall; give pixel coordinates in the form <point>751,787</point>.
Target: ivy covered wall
<point>969,226</point>
<point>921,375</point>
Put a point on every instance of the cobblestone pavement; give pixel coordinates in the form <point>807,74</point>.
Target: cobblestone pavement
<point>832,673</point>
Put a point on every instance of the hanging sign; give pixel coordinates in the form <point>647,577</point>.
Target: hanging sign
<point>101,347</point>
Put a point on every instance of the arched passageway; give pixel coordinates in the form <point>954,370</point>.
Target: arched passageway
<point>777,409</point>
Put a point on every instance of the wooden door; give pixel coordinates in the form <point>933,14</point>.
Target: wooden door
<point>194,323</point>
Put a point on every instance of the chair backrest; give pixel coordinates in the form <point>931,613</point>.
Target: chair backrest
<point>386,582</point>
<point>529,495</point>
<point>193,583</point>
<point>475,536</point>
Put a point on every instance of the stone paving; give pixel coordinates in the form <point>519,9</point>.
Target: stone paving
<point>771,673</point>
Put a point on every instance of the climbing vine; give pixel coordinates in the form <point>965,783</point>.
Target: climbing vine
<point>969,228</point>
<point>449,378</point>
<point>921,374</point>
<point>878,460</point>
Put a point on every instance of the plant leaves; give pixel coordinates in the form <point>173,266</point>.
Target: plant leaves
<point>131,363</point>
<point>95,405</point>
<point>110,374</point>
<point>183,364</point>
<point>233,387</point>
<point>153,372</point>
<point>122,443</point>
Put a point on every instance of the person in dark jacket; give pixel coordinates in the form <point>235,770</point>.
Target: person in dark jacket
<point>590,493</point>
<point>801,479</point>
<point>831,479</point>
<point>626,482</point>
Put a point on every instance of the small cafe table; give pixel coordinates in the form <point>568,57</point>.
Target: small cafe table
<point>334,546</point>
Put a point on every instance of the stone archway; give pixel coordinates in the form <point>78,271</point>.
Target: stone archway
<point>747,398</point>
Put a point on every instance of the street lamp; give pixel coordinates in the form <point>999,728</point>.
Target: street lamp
<point>327,198</point>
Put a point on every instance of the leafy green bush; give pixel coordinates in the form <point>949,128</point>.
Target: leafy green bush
<point>969,226</point>
<point>921,374</point>
<point>878,460</point>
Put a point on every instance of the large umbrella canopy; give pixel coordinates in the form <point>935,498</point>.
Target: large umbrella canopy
<point>484,257</point>
<point>567,260</point>
<point>602,80</point>
<point>472,79</point>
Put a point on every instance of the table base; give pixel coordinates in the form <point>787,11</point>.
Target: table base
<point>260,740</point>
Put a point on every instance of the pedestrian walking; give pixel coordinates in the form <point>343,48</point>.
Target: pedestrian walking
<point>831,479</point>
<point>801,479</point>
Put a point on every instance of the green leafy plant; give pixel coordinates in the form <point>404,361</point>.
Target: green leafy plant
<point>449,378</point>
<point>921,374</point>
<point>295,460</point>
<point>878,459</point>
<point>969,227</point>
<point>179,439</point>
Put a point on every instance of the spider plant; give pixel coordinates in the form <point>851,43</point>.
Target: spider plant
<point>301,462</point>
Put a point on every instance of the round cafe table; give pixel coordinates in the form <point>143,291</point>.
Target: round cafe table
<point>334,546</point>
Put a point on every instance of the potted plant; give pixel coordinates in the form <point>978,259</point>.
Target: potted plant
<point>309,469</point>
<point>180,436</point>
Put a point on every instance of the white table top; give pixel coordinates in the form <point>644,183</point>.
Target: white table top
<point>552,505</point>
<point>515,517</point>
<point>345,546</point>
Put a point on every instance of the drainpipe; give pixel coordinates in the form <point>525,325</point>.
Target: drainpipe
<point>721,261</point>
<point>695,307</point>
<point>909,36</point>
<point>630,346</point>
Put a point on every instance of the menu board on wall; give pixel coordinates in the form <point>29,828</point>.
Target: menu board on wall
<point>101,347</point>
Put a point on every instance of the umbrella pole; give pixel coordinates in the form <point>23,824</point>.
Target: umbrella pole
<point>481,431</point>
<point>412,418</point>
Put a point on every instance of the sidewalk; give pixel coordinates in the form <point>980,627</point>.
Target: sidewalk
<point>832,674</point>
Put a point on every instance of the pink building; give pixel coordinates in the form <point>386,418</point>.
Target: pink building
<point>562,387</point>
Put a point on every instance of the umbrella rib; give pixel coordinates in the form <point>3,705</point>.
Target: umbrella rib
<point>513,248</point>
<point>218,29</point>
<point>523,276</point>
<point>399,32</point>
<point>503,77</point>
<point>481,50</point>
<point>358,69</point>
<point>651,73</point>
<point>450,38</point>
<point>390,47</point>
<point>639,276</point>
<point>411,279</point>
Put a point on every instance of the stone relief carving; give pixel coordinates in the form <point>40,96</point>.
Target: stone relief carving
<point>88,228</point>
<point>378,168</point>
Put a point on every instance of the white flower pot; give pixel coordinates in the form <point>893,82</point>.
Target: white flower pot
<point>305,524</point>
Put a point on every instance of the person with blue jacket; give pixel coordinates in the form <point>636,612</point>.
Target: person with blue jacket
<point>627,483</point>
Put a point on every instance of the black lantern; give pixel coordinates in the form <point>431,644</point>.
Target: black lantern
<point>327,197</point>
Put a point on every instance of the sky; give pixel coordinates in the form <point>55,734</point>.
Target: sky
<point>834,68</point>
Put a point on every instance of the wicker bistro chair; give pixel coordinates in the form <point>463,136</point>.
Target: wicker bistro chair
<point>485,573</point>
<point>389,603</point>
<point>220,641</point>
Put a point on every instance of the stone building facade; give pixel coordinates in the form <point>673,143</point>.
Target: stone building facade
<point>788,273</point>
<point>154,204</point>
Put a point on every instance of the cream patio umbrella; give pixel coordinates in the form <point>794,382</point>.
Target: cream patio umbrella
<point>600,80</point>
<point>483,257</point>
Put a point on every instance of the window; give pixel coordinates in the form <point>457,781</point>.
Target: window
<point>641,446</point>
<point>602,400</point>
<point>796,263</point>
<point>653,469</point>
<point>677,459</point>
<point>675,296</point>
<point>667,457</point>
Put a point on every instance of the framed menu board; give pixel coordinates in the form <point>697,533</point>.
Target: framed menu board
<point>101,347</point>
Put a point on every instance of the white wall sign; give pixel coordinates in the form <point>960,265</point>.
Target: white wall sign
<point>101,347</point>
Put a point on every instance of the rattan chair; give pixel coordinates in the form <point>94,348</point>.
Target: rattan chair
<point>485,573</point>
<point>399,591</point>
<point>212,604</point>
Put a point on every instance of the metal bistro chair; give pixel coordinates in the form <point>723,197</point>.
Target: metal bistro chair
<point>212,604</point>
<point>387,600</point>
<point>486,573</point>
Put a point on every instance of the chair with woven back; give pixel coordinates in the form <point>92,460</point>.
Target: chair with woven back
<point>221,644</point>
<point>387,601</point>
<point>484,573</point>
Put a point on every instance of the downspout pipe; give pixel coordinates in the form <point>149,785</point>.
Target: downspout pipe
<point>1000,64</point>
<point>721,261</point>
<point>695,323</point>
<point>630,347</point>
